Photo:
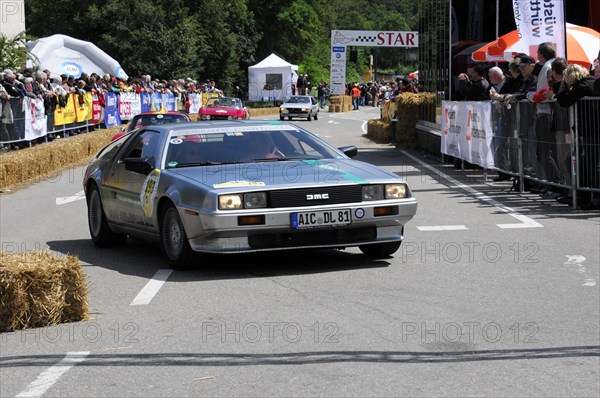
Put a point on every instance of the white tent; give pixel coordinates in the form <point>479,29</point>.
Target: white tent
<point>271,79</point>
<point>63,54</point>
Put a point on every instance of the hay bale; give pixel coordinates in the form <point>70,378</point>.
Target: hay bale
<point>409,112</point>
<point>33,164</point>
<point>40,289</point>
<point>379,130</point>
<point>257,112</point>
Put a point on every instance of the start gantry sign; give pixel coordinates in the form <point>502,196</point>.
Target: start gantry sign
<point>340,39</point>
<point>374,38</point>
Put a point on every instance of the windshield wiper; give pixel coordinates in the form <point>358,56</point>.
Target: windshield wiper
<point>285,158</point>
<point>208,163</point>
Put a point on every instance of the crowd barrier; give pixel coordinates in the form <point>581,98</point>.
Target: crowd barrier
<point>541,142</point>
<point>26,119</point>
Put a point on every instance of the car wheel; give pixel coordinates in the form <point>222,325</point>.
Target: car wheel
<point>100,231</point>
<point>281,117</point>
<point>309,117</point>
<point>380,250</point>
<point>174,242</point>
<point>317,115</point>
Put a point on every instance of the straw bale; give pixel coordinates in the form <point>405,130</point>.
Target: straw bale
<point>254,112</point>
<point>39,289</point>
<point>32,164</point>
<point>379,130</point>
<point>408,114</point>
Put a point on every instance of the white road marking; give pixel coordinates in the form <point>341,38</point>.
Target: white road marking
<point>51,375</point>
<point>333,122</point>
<point>61,200</point>
<point>525,222</point>
<point>443,228</point>
<point>152,287</point>
<point>578,260</point>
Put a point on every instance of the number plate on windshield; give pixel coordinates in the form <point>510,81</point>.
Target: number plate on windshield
<point>315,219</point>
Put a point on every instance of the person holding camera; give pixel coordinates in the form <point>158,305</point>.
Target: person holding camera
<point>475,88</point>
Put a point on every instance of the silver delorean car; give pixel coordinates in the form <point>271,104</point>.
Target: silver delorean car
<point>241,186</point>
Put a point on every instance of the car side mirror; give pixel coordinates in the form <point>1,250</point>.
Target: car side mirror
<point>138,165</point>
<point>350,151</point>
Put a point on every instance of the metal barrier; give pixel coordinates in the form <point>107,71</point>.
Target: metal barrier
<point>549,144</point>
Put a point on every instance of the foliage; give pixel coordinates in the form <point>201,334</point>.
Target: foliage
<point>13,53</point>
<point>219,39</point>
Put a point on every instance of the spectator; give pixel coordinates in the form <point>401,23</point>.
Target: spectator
<point>576,84</point>
<point>473,89</point>
<point>526,65</point>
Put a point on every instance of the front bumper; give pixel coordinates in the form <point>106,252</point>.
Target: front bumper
<point>220,233</point>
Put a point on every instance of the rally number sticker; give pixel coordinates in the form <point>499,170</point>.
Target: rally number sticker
<point>148,193</point>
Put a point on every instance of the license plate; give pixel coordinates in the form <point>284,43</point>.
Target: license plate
<point>315,219</point>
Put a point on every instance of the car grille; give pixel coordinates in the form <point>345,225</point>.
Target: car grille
<point>297,197</point>
<point>295,110</point>
<point>320,237</point>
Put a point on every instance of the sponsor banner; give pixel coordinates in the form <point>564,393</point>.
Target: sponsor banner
<point>83,109</point>
<point>374,38</point>
<point>156,105</point>
<point>195,101</point>
<point>538,22</point>
<point>467,132</point>
<point>337,75</point>
<point>146,100</point>
<point>169,102</point>
<point>129,105</point>
<point>111,111</point>
<point>35,118</point>
<point>96,110</point>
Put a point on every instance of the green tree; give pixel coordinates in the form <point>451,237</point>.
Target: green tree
<point>13,53</point>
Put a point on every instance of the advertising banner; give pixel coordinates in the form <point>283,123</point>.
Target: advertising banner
<point>146,100</point>
<point>129,105</point>
<point>111,111</point>
<point>467,132</point>
<point>538,22</point>
<point>35,118</point>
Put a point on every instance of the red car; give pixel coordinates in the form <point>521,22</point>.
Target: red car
<point>223,108</point>
<point>150,118</point>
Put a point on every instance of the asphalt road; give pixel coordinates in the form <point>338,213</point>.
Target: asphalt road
<point>493,293</point>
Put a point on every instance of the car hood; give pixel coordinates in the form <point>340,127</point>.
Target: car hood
<point>286,174</point>
<point>219,110</point>
<point>306,105</point>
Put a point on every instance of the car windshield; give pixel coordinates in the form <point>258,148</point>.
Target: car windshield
<point>154,119</point>
<point>221,101</point>
<point>298,100</point>
<point>224,145</point>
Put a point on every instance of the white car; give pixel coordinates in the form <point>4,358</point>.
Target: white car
<point>299,106</point>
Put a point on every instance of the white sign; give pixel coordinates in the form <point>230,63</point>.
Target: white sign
<point>337,79</point>
<point>467,131</point>
<point>374,38</point>
<point>538,22</point>
<point>35,118</point>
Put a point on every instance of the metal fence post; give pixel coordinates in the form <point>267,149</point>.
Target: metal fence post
<point>574,154</point>
<point>519,150</point>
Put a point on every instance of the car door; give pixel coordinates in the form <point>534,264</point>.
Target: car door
<point>125,187</point>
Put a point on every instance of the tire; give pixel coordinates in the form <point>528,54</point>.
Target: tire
<point>317,115</point>
<point>174,242</point>
<point>309,117</point>
<point>281,117</point>
<point>380,250</point>
<point>100,231</point>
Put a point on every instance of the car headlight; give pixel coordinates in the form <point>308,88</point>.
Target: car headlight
<point>304,109</point>
<point>252,200</point>
<point>372,192</point>
<point>230,202</point>
<point>281,110</point>
<point>395,191</point>
<point>255,200</point>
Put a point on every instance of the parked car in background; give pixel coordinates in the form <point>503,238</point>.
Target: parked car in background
<point>299,106</point>
<point>152,118</point>
<point>242,186</point>
<point>223,108</point>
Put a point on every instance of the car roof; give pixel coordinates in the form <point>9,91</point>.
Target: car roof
<point>200,125</point>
